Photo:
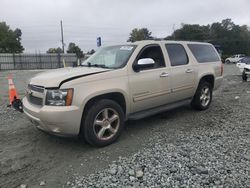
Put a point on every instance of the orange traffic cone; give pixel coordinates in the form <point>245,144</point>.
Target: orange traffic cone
<point>12,90</point>
<point>13,96</point>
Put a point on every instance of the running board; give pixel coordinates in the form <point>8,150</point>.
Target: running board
<point>153,111</point>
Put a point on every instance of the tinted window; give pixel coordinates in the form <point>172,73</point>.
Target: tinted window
<point>155,53</point>
<point>204,53</point>
<point>177,54</point>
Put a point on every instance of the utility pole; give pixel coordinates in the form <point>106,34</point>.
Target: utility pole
<point>174,31</point>
<point>62,37</point>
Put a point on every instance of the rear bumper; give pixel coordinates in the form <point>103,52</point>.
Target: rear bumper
<point>61,121</point>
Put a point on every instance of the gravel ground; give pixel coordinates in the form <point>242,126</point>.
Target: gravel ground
<point>211,150</point>
<point>179,148</point>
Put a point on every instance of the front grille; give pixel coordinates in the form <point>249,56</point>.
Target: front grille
<point>35,100</point>
<point>38,89</point>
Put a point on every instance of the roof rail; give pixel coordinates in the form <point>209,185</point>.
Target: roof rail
<point>158,39</point>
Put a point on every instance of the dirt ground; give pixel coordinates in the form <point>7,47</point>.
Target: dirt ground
<point>29,156</point>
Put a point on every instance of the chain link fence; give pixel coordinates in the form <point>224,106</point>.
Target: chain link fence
<point>36,61</point>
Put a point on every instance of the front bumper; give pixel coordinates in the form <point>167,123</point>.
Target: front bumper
<point>62,121</point>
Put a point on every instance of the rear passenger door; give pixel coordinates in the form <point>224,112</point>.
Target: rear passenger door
<point>182,72</point>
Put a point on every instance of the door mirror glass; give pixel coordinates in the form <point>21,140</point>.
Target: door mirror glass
<point>144,63</point>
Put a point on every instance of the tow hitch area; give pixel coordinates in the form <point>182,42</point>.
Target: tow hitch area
<point>14,100</point>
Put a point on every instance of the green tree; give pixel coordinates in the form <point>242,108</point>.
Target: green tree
<point>191,32</point>
<point>54,50</point>
<point>139,34</point>
<point>73,48</point>
<point>232,38</point>
<point>10,41</point>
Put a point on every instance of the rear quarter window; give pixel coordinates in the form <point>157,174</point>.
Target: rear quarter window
<point>204,53</point>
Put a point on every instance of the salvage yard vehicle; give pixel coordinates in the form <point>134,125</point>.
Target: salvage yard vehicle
<point>234,59</point>
<point>242,63</point>
<point>244,66</point>
<point>122,82</point>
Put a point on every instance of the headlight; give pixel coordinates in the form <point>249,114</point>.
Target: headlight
<point>59,97</point>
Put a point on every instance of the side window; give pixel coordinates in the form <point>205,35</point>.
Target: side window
<point>177,54</point>
<point>155,53</point>
<point>204,53</point>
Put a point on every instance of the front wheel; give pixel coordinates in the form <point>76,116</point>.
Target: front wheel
<point>103,123</point>
<point>203,96</point>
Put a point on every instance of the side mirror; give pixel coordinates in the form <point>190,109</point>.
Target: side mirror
<point>143,63</point>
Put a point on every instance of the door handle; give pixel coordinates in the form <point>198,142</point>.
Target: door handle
<point>164,74</point>
<point>189,71</point>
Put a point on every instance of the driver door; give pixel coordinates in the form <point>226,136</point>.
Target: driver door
<point>150,87</point>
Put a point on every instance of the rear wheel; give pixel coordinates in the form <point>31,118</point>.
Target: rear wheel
<point>203,96</point>
<point>244,76</point>
<point>228,62</point>
<point>103,123</point>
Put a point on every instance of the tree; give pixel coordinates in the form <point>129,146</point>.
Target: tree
<point>10,41</point>
<point>232,38</point>
<point>139,34</point>
<point>73,48</point>
<point>191,32</point>
<point>54,50</point>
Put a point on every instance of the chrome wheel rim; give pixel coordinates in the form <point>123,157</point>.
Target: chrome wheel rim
<point>106,124</point>
<point>205,96</point>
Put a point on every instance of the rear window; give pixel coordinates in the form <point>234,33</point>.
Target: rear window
<point>204,53</point>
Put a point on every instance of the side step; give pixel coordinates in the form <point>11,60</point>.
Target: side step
<point>153,111</point>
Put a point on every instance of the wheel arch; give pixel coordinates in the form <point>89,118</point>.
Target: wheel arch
<point>208,78</point>
<point>115,96</point>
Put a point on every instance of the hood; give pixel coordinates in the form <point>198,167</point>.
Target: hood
<point>55,78</point>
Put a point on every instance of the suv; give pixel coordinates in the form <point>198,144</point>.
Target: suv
<point>234,59</point>
<point>244,66</point>
<point>122,82</point>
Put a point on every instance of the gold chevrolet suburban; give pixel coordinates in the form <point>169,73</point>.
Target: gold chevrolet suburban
<point>122,82</point>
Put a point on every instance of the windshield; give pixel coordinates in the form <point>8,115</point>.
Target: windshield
<point>110,57</point>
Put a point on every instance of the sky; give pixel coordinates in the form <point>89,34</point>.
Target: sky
<point>112,20</point>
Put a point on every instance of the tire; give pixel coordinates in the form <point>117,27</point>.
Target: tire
<point>203,96</point>
<point>103,123</point>
<point>228,62</point>
<point>244,76</point>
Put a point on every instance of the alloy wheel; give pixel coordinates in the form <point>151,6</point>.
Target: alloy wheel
<point>205,96</point>
<point>106,123</point>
